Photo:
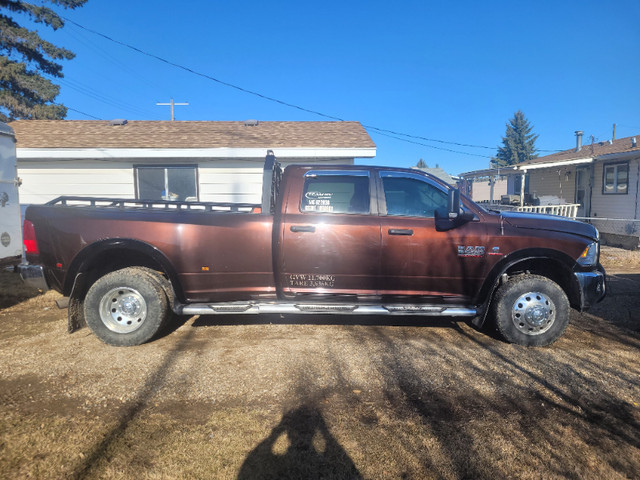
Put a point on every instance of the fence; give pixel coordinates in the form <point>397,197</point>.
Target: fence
<point>569,210</point>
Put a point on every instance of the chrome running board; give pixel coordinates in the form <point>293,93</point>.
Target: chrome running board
<point>252,308</point>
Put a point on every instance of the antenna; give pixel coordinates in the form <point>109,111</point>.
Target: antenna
<point>172,103</point>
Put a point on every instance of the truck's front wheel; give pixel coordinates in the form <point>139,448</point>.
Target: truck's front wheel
<point>531,310</point>
<point>126,307</point>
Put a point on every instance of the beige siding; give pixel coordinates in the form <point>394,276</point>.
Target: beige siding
<point>45,181</point>
<point>553,185</point>
<point>481,190</point>
<point>219,180</point>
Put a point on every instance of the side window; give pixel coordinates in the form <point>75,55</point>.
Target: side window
<point>336,194</point>
<point>412,197</point>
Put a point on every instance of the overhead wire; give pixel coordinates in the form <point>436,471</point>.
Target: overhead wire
<point>385,132</point>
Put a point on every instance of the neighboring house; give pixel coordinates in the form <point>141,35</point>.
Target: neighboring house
<point>485,186</point>
<point>189,161</point>
<point>599,180</point>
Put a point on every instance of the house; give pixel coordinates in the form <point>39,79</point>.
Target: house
<point>486,186</point>
<point>188,161</point>
<point>598,182</point>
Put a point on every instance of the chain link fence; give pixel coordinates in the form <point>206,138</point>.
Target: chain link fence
<point>623,232</point>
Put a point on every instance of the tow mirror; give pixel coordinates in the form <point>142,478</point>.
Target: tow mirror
<point>452,216</point>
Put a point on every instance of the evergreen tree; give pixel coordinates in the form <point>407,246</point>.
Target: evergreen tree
<point>518,144</point>
<point>25,58</point>
<point>421,164</point>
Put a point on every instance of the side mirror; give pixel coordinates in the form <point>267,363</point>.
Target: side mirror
<point>452,216</point>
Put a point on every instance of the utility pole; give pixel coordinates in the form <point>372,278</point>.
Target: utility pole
<point>172,103</point>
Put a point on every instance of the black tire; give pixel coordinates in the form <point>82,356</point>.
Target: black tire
<point>531,310</point>
<point>127,307</point>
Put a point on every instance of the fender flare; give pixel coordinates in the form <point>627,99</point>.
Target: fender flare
<point>492,282</point>
<point>80,263</point>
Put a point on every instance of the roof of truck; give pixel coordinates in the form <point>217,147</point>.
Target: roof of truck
<point>188,134</point>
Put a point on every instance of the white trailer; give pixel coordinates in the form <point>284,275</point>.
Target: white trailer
<point>10,223</point>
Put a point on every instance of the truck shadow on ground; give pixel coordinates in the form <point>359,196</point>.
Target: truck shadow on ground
<point>320,319</point>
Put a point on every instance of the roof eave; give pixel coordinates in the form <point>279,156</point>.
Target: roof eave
<point>224,152</point>
<point>559,163</point>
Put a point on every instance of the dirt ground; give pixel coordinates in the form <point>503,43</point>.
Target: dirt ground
<point>294,397</point>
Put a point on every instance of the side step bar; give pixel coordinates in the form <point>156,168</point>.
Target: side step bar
<point>335,309</point>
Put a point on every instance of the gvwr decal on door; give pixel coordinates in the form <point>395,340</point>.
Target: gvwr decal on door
<point>311,280</point>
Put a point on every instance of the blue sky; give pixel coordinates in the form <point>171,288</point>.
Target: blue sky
<point>450,71</point>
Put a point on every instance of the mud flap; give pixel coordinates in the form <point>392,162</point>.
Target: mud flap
<point>75,318</point>
<point>75,313</point>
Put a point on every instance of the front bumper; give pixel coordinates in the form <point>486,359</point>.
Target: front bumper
<point>593,287</point>
<point>33,275</point>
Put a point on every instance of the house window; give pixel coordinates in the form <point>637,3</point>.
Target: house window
<point>167,183</point>
<point>615,179</point>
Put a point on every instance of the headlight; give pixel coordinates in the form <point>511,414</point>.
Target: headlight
<point>590,255</point>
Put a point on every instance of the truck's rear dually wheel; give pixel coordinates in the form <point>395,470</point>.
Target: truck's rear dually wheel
<point>127,307</point>
<point>531,310</point>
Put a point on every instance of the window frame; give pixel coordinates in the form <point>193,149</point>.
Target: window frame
<point>615,165</point>
<point>165,167</point>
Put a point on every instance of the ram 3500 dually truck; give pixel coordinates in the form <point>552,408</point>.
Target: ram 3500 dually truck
<point>325,240</point>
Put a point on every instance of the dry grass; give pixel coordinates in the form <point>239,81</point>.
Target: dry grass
<point>619,259</point>
<point>298,400</point>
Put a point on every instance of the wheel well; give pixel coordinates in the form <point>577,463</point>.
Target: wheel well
<point>109,260</point>
<point>552,269</point>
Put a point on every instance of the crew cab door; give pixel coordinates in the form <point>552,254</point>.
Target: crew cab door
<point>330,235</point>
<point>417,260</point>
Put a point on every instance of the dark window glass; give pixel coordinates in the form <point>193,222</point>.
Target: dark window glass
<point>616,178</point>
<point>336,194</point>
<point>412,198</point>
<point>150,183</point>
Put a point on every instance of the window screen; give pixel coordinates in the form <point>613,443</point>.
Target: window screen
<point>336,194</point>
<point>167,183</point>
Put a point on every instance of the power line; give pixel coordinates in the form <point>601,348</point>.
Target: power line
<point>381,131</point>
<point>78,111</point>
<point>429,146</point>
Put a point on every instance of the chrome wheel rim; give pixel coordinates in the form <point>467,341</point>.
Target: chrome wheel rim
<point>123,310</point>
<point>533,313</point>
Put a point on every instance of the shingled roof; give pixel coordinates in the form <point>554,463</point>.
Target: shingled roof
<point>590,150</point>
<point>44,134</point>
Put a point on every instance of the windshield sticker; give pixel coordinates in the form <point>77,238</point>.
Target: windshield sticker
<point>311,280</point>
<point>318,202</point>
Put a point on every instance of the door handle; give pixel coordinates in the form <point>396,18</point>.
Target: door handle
<point>303,228</point>
<point>401,231</point>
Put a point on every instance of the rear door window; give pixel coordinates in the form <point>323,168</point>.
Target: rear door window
<point>325,192</point>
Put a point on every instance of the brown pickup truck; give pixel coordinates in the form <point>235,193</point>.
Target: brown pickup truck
<point>325,240</point>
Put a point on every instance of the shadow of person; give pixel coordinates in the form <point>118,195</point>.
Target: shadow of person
<point>300,446</point>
